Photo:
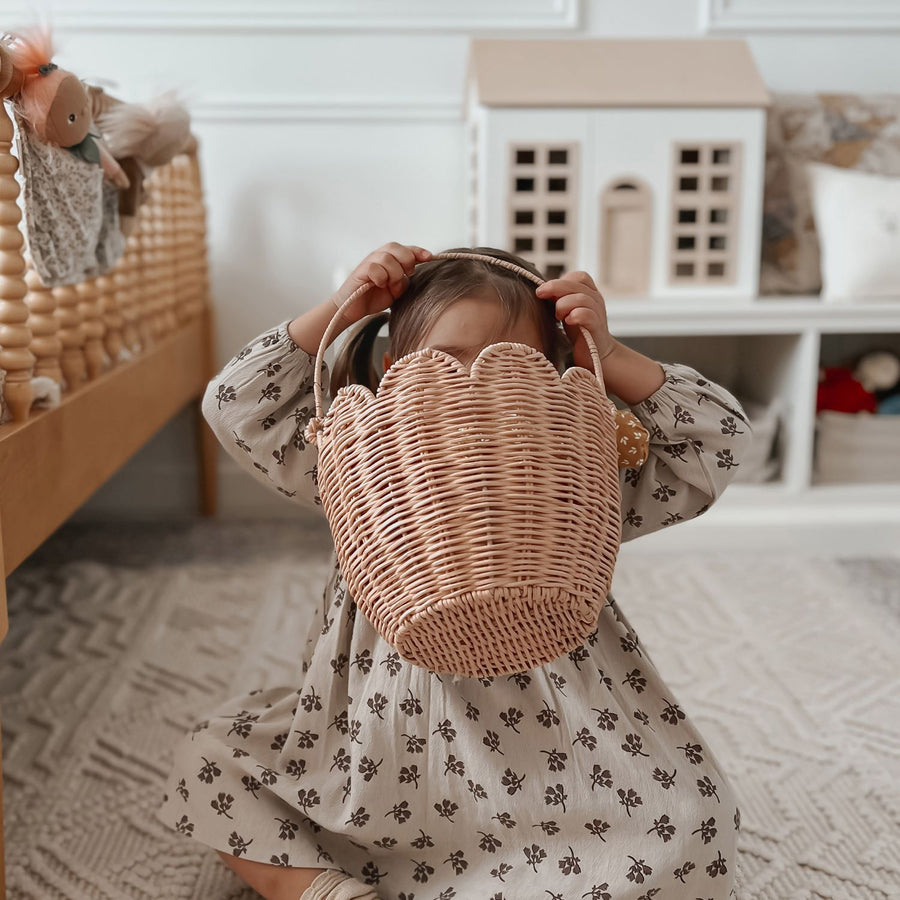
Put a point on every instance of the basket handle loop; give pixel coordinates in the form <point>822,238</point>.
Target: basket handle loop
<point>315,424</point>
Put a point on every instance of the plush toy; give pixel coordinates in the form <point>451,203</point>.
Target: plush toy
<point>879,372</point>
<point>632,438</point>
<point>55,103</point>
<point>839,390</point>
<point>141,138</point>
<point>154,133</point>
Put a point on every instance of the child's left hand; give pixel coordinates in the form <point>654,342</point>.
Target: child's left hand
<point>580,303</point>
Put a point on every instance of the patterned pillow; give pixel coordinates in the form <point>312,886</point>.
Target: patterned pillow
<point>847,130</point>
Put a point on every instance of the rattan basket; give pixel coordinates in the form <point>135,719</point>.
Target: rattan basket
<point>476,515</point>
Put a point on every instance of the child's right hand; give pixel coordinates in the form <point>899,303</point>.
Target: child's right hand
<point>388,269</point>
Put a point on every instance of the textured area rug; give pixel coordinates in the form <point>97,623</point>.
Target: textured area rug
<point>122,637</point>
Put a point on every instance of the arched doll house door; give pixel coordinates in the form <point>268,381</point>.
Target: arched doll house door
<point>624,251</point>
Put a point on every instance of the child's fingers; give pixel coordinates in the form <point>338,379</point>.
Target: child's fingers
<point>378,274</point>
<point>586,318</point>
<point>400,280</point>
<point>580,276</point>
<point>569,302</point>
<point>406,256</point>
<point>392,265</point>
<point>557,287</point>
<point>571,281</point>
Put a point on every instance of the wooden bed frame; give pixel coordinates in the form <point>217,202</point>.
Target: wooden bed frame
<point>155,302</point>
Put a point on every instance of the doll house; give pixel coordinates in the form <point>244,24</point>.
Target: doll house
<point>640,161</point>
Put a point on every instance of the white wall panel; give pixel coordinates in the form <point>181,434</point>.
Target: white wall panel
<point>799,15</point>
<point>331,127</point>
<point>311,15</point>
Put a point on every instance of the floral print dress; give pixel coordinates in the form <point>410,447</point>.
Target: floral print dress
<point>582,778</point>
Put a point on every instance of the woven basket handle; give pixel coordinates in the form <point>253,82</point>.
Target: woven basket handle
<point>315,424</point>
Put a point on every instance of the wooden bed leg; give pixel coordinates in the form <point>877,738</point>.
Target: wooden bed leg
<point>4,628</point>
<point>207,444</point>
<point>207,460</point>
<point>2,850</point>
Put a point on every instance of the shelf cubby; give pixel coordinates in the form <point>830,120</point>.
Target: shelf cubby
<point>769,370</point>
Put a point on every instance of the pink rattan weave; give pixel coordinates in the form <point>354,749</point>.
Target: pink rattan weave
<point>475,514</point>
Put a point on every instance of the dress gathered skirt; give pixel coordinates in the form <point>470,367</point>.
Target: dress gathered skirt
<point>582,778</point>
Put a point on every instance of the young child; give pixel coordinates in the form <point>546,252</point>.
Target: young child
<point>370,777</point>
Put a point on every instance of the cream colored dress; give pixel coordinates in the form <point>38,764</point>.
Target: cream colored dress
<point>582,778</point>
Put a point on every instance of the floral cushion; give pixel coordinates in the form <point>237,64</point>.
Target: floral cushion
<point>848,130</point>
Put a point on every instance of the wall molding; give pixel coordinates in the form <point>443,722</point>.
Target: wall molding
<point>805,15</point>
<point>275,108</point>
<point>309,15</point>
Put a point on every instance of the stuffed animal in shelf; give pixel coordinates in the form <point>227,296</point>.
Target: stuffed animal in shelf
<point>872,385</point>
<point>840,391</point>
<point>879,372</point>
<point>54,103</point>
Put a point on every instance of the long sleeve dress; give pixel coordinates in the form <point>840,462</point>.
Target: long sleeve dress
<point>582,778</point>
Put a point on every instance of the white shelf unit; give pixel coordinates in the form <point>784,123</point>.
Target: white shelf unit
<point>759,349</point>
<point>772,347</point>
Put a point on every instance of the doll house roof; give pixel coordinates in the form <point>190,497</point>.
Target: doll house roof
<point>658,72</point>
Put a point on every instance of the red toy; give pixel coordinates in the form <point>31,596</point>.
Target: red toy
<point>840,391</point>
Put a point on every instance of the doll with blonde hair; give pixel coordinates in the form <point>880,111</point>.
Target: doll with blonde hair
<point>370,778</point>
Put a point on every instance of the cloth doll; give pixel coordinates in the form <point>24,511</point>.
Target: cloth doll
<point>55,103</point>
<point>69,179</point>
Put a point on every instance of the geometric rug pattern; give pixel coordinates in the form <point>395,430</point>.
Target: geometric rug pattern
<point>123,635</point>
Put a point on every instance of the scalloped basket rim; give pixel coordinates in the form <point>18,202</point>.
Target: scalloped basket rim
<point>359,392</point>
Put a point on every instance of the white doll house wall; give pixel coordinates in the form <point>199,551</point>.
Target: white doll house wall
<point>640,161</point>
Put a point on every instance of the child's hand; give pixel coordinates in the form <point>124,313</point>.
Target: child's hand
<point>388,268</point>
<point>579,302</point>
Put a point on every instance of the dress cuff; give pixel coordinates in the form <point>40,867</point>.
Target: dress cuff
<point>284,337</point>
<point>306,360</point>
<point>667,412</point>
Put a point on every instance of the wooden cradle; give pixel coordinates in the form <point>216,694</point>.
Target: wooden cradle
<point>155,302</point>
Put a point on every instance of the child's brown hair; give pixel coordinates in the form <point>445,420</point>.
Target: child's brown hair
<point>433,287</point>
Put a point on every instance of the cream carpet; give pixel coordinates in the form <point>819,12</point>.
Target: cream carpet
<point>122,636</point>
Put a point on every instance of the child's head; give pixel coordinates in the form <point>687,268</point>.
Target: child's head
<point>461,306</point>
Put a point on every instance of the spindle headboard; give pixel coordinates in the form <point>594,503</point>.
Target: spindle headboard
<point>155,304</point>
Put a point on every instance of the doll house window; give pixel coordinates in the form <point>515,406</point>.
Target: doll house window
<point>624,251</point>
<point>541,203</point>
<point>705,195</point>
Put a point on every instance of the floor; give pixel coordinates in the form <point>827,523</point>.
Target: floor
<point>121,636</point>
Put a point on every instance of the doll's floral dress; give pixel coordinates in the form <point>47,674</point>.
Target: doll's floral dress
<point>582,778</point>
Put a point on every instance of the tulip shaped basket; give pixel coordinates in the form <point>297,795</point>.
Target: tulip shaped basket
<point>475,513</point>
